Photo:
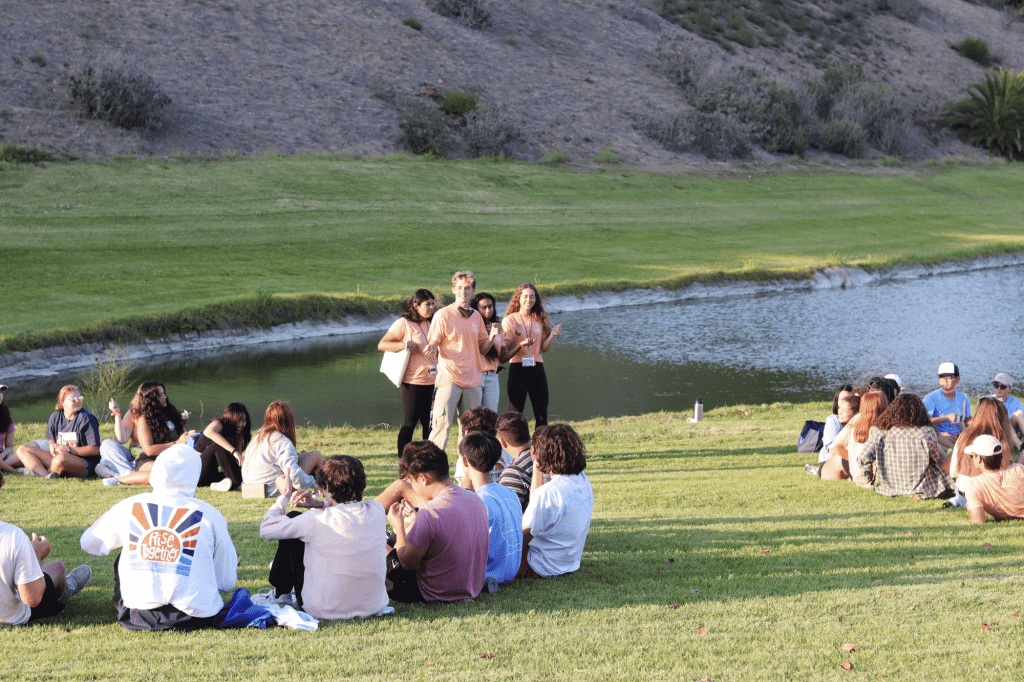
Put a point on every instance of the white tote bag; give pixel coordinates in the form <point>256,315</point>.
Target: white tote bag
<point>393,365</point>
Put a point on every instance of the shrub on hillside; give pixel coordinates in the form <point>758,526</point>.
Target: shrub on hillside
<point>823,90</point>
<point>119,92</point>
<point>489,134</point>
<point>457,102</point>
<point>19,153</point>
<point>674,133</point>
<point>902,138</point>
<point>871,106</point>
<point>720,135</point>
<point>841,136</point>
<point>422,129</point>
<point>992,116</point>
<point>469,13</point>
<point>975,49</point>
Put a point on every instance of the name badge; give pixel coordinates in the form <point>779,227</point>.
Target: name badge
<point>529,361</point>
<point>67,438</point>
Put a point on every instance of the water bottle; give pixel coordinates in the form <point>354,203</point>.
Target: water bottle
<point>698,412</point>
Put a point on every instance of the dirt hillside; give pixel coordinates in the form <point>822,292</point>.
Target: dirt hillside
<point>308,76</point>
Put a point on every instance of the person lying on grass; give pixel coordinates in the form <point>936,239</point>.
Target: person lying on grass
<point>996,491</point>
<point>440,529</point>
<point>177,550</point>
<point>479,452</point>
<point>557,520</point>
<point>333,556</point>
<point>31,589</point>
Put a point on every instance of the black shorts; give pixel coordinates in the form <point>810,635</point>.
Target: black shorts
<point>90,465</point>
<point>50,605</point>
<point>404,587</point>
<point>143,459</point>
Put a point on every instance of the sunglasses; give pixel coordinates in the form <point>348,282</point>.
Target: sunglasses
<point>1001,387</point>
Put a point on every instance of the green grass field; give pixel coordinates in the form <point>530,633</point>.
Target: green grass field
<point>88,243</point>
<point>712,526</point>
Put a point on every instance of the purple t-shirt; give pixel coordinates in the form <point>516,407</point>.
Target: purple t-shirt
<point>452,528</point>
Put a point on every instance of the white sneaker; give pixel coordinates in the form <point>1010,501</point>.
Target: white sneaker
<point>264,597</point>
<point>288,600</point>
<point>104,471</point>
<point>222,486</point>
<point>111,481</point>
<point>76,580</point>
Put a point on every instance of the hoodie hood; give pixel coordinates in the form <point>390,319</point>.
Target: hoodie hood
<point>176,471</point>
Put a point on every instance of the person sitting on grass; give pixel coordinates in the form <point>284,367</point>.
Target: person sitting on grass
<point>904,452</point>
<point>32,589</point>
<point>221,446</point>
<point>834,423</point>
<point>989,419</point>
<point>272,459</point>
<point>72,443</point>
<point>948,408</point>
<point>156,425</point>
<point>847,412</point>
<point>479,419</point>
<point>8,458</point>
<point>514,436</point>
<point>478,452</point>
<point>1002,384</point>
<point>177,550</point>
<point>996,491</point>
<point>441,534</point>
<point>557,520</point>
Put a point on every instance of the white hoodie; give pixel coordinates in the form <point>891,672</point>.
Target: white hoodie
<point>177,549</point>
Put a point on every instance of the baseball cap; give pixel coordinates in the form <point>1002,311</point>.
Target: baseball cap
<point>985,446</point>
<point>1003,378</point>
<point>948,369</point>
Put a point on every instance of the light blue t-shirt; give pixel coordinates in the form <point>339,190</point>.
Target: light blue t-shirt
<point>938,405</point>
<point>505,527</point>
<point>1012,404</point>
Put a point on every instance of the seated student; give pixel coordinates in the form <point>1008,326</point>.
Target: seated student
<point>32,591</point>
<point>178,552</point>
<point>847,414</point>
<point>440,531</point>
<point>272,458</point>
<point>72,443</point>
<point>833,425</point>
<point>479,419</point>
<point>996,491</point>
<point>557,520</point>
<point>904,450</point>
<point>514,436</point>
<point>8,458</point>
<point>478,453</point>
<point>850,442</point>
<point>221,446</point>
<point>947,407</point>
<point>1002,384</point>
<point>333,556</point>
<point>156,425</point>
<point>990,419</point>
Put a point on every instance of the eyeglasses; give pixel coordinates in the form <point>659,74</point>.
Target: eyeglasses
<point>1001,387</point>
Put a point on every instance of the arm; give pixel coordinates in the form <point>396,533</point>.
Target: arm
<point>537,480</point>
<point>978,515</point>
<point>288,461</point>
<point>409,555</point>
<point>527,536</point>
<point>490,337</point>
<point>119,434</point>
<point>225,558</point>
<point>867,454</point>
<point>32,593</point>
<point>277,525</point>
<point>213,430</point>
<point>394,339</point>
<point>146,439</point>
<point>102,537</point>
<point>545,345</point>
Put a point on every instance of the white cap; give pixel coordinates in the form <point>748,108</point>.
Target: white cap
<point>985,445</point>
<point>1004,378</point>
<point>894,377</point>
<point>949,369</point>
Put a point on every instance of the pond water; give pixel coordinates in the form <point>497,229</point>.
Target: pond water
<point>790,346</point>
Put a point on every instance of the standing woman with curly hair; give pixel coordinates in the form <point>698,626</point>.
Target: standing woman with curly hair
<point>528,335</point>
<point>410,332</point>
<point>157,426</point>
<point>904,448</point>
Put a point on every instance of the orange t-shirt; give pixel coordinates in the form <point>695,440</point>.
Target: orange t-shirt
<point>418,370</point>
<point>999,493</point>
<point>458,342</point>
<point>488,364</point>
<point>532,328</point>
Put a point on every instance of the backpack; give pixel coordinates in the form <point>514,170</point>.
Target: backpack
<point>810,436</point>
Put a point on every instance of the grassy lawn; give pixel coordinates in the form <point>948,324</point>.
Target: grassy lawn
<point>710,526</point>
<point>84,243</point>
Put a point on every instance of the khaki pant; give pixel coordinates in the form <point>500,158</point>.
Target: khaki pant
<point>448,398</point>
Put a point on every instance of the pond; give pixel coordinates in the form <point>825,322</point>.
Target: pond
<point>790,346</point>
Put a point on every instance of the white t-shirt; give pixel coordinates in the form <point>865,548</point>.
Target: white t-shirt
<point>558,517</point>
<point>18,566</point>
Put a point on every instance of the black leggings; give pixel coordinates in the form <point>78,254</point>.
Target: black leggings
<point>215,460</point>
<point>416,403</point>
<point>288,570</point>
<point>532,382</point>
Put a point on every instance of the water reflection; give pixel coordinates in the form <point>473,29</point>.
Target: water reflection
<point>790,346</point>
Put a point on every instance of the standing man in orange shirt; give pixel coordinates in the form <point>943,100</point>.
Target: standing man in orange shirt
<point>457,337</point>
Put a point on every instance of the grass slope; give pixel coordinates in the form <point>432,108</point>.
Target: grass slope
<point>710,526</point>
<point>85,243</point>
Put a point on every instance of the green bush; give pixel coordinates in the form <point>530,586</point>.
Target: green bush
<point>992,116</point>
<point>871,105</point>
<point>413,23</point>
<point>457,102</point>
<point>469,13</point>
<point>606,155</point>
<point>975,49</point>
<point>674,133</point>
<point>555,157</point>
<point>120,93</point>
<point>19,153</point>
<point>38,59</point>
<point>489,134</point>
<point>423,130</point>
<point>842,136</point>
<point>825,89</point>
<point>720,135</point>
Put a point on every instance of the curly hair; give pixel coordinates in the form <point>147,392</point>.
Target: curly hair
<point>278,417</point>
<point>146,406</point>
<point>423,457</point>
<point>343,477</point>
<point>538,307</point>
<point>557,449</point>
<point>410,312</point>
<point>479,419</point>
<point>906,409</point>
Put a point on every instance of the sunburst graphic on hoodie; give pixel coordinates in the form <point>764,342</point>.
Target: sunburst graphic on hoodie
<point>163,538</point>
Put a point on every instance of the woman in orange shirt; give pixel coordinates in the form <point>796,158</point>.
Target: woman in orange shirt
<point>528,335</point>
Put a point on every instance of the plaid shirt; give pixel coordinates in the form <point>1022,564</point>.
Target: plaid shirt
<point>906,461</point>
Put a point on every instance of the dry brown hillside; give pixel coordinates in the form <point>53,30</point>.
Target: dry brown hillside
<point>305,76</point>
